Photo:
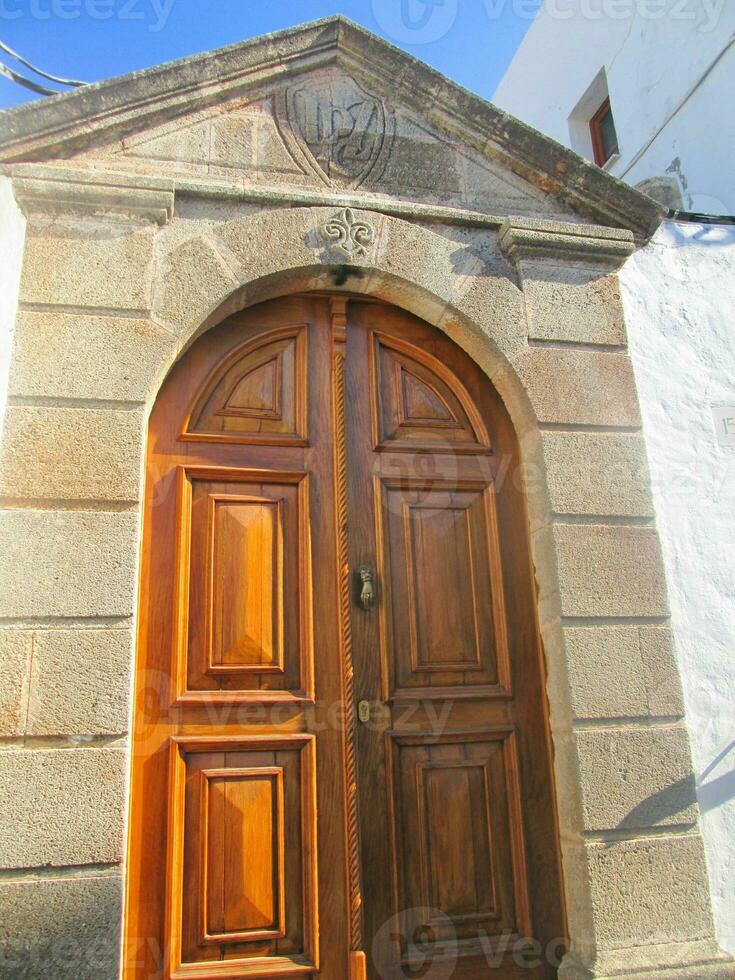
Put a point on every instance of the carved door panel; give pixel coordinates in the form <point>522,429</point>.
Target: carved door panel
<point>238,780</point>
<point>271,834</point>
<point>459,853</point>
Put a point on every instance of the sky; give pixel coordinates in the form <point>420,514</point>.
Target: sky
<point>470,41</point>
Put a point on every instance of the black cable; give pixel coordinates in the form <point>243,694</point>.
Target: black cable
<point>25,82</point>
<point>38,71</point>
<point>701,219</point>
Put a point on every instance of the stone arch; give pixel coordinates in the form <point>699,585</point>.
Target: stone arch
<point>474,298</point>
<point>548,331</point>
<point>477,301</point>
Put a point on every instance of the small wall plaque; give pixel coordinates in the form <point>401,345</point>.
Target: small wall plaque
<point>724,418</point>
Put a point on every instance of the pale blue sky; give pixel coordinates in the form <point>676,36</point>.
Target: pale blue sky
<point>471,41</point>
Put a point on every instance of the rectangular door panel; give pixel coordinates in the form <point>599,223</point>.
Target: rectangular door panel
<point>443,628</point>
<point>457,836</point>
<point>245,622</point>
<point>241,879</point>
<point>243,627</point>
<point>242,833</point>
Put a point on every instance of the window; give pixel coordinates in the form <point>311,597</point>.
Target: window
<point>592,130</point>
<point>604,137</point>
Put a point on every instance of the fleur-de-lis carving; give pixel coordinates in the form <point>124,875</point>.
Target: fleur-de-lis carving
<point>351,235</point>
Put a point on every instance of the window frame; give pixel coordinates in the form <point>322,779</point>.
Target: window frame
<point>598,143</point>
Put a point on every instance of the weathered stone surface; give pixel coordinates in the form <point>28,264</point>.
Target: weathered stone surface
<point>80,682</point>
<point>301,228</point>
<point>62,355</point>
<point>193,278</point>
<point>486,296</point>
<point>610,571</point>
<point>69,128</point>
<point>543,549</point>
<point>400,253</point>
<point>60,928</point>
<point>15,656</point>
<point>61,806</point>
<point>75,453</point>
<point>572,303</point>
<point>524,238</point>
<point>591,473</point>
<point>64,682</point>
<point>698,960</point>
<point>663,681</point>
<point>70,193</point>
<point>635,779</point>
<point>579,387</point>
<point>67,563</point>
<point>652,890</point>
<point>99,263</point>
<point>622,672</point>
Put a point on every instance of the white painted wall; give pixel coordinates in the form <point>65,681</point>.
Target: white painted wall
<point>679,296</point>
<point>656,54</point>
<point>670,71</point>
<point>12,238</point>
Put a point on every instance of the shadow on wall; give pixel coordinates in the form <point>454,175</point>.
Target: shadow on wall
<point>681,796</point>
<point>677,798</point>
<point>717,791</point>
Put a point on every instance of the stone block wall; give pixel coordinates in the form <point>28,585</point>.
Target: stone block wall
<point>71,468</point>
<point>107,301</point>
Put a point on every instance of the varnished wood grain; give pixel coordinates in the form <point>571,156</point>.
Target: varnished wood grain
<point>454,771</point>
<point>271,835</point>
<point>357,960</point>
<point>233,616</point>
<point>258,394</point>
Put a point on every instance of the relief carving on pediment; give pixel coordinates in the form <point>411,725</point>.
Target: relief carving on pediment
<point>335,129</point>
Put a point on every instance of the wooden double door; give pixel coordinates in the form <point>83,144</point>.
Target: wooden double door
<point>341,765</point>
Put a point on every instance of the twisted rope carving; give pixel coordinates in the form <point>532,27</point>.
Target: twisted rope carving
<point>348,678</point>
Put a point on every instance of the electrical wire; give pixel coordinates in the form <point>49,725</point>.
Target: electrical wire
<point>25,82</point>
<point>701,219</point>
<point>697,85</point>
<point>39,71</point>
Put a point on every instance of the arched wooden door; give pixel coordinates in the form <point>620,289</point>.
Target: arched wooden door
<point>341,765</point>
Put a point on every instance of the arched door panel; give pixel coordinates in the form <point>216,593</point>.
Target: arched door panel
<point>327,783</point>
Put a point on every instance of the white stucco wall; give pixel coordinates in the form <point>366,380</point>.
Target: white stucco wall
<point>656,54</point>
<point>12,238</point>
<point>679,296</point>
<point>670,71</point>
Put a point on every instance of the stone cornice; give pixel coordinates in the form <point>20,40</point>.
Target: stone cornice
<point>74,121</point>
<point>46,178</point>
<point>57,190</point>
<point>527,238</point>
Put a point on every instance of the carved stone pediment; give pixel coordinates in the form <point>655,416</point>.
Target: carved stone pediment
<point>327,129</point>
<point>325,105</point>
